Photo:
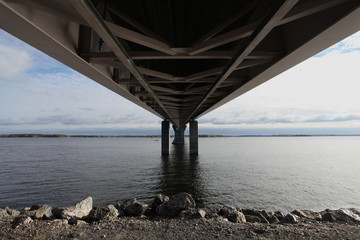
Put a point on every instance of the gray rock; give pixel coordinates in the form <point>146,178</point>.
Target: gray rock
<point>220,219</point>
<point>290,218</point>
<point>22,221</point>
<point>192,214</point>
<point>201,213</point>
<point>175,205</point>
<point>80,210</point>
<point>80,222</point>
<point>258,214</point>
<point>346,214</point>
<point>4,216</point>
<point>328,217</point>
<point>158,200</point>
<point>182,200</point>
<point>308,214</point>
<point>352,213</point>
<point>25,209</point>
<point>113,212</point>
<point>40,211</point>
<point>125,204</point>
<point>98,213</point>
<point>212,211</point>
<point>279,215</point>
<point>233,215</point>
<point>34,207</point>
<point>248,212</point>
<point>265,214</point>
<point>261,217</point>
<point>273,219</point>
<point>12,212</point>
<point>252,219</point>
<point>28,214</point>
<point>136,209</point>
<point>271,214</point>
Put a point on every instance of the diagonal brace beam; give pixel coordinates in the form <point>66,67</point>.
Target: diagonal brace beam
<point>262,30</point>
<point>138,38</point>
<point>91,15</point>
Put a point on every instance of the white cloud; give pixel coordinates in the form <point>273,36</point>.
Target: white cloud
<point>13,63</point>
<point>321,91</point>
<point>67,99</point>
<point>352,42</point>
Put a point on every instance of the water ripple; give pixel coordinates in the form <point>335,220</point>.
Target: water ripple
<point>266,173</point>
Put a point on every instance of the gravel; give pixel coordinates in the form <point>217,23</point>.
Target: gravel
<point>144,228</point>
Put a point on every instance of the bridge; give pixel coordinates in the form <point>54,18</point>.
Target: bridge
<point>180,59</point>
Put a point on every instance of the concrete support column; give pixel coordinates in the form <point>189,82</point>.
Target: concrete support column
<point>179,135</point>
<point>194,137</point>
<point>165,137</point>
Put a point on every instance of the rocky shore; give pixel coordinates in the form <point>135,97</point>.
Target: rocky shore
<point>174,217</point>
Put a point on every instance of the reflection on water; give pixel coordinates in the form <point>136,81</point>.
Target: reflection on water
<point>272,173</point>
<point>180,172</point>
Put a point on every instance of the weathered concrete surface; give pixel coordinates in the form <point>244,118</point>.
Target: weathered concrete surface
<point>165,137</point>
<point>179,138</point>
<point>194,138</point>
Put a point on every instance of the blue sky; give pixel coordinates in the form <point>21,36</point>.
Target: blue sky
<point>40,95</point>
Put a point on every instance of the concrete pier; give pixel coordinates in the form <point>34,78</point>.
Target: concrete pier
<point>194,149</point>
<point>179,135</point>
<point>165,137</point>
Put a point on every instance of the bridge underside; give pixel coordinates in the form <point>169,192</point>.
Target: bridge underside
<point>180,59</point>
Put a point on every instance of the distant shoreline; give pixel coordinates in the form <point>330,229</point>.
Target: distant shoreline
<point>91,136</point>
<point>158,136</point>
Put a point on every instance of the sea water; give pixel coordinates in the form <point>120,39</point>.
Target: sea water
<point>271,173</point>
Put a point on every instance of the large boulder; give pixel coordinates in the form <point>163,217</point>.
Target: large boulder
<point>131,207</point>
<point>308,214</point>
<point>328,217</point>
<point>175,205</point>
<point>40,211</point>
<point>192,214</point>
<point>121,206</point>
<point>233,215</point>
<point>12,212</point>
<point>265,214</point>
<point>252,219</point>
<point>158,200</point>
<point>343,215</point>
<point>113,212</point>
<point>290,218</point>
<point>4,216</point>
<point>80,210</point>
<point>99,213</point>
<point>212,211</point>
<point>259,215</point>
<point>279,215</point>
<point>22,220</point>
<point>136,209</point>
<point>273,219</point>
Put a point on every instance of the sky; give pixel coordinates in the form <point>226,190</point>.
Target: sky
<point>40,95</point>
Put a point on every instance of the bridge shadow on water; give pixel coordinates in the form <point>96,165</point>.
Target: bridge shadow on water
<point>180,172</point>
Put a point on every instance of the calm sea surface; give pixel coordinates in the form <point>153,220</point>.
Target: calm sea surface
<point>272,173</point>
